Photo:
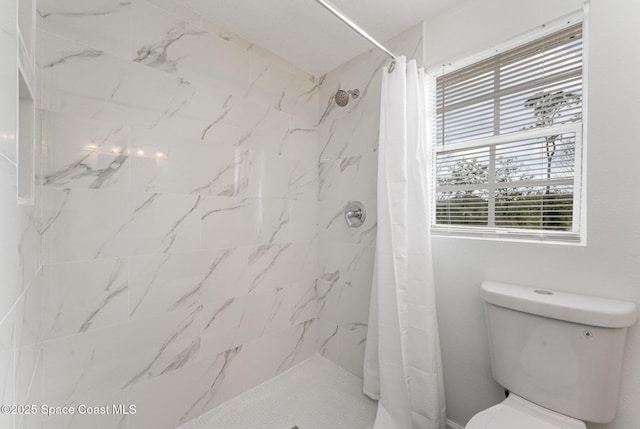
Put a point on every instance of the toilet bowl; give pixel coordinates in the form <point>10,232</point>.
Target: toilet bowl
<point>518,413</point>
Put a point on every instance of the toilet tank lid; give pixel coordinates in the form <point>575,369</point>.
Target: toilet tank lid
<point>584,309</point>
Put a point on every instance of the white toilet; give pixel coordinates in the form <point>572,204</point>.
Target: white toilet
<point>558,354</point>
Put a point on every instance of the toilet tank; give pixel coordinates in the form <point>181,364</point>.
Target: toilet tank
<point>559,350</point>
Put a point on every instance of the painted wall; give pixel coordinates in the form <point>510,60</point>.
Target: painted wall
<point>180,189</point>
<point>348,141</point>
<point>608,265</point>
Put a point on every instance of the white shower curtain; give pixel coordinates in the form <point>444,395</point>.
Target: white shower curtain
<point>403,367</point>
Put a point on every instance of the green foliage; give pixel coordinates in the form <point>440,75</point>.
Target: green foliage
<point>517,207</point>
<point>547,106</point>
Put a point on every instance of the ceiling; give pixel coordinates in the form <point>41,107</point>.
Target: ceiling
<point>309,36</point>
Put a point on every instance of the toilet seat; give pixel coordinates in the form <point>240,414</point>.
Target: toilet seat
<point>516,412</point>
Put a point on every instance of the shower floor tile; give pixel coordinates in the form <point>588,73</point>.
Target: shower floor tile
<point>316,394</point>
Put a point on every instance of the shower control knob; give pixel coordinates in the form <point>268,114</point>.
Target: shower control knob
<point>355,213</point>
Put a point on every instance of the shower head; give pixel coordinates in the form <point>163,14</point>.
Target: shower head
<point>342,96</point>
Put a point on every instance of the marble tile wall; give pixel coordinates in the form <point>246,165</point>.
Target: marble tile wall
<point>188,217</point>
<point>20,266</point>
<point>179,226</point>
<point>348,142</point>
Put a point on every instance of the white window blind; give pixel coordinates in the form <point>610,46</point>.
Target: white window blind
<point>508,142</point>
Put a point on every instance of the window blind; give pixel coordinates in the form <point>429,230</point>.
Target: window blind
<point>508,141</point>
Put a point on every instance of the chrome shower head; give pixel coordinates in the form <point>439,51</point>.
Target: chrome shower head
<point>342,96</point>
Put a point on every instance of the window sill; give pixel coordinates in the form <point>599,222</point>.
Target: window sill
<point>508,235</point>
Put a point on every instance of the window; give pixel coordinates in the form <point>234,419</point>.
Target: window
<point>508,142</point>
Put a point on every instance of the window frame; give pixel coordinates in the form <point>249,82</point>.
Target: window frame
<point>577,236</point>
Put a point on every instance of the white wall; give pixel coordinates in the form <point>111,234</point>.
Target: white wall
<point>474,26</point>
<point>608,265</point>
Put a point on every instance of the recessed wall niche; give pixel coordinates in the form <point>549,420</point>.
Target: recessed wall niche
<point>26,106</point>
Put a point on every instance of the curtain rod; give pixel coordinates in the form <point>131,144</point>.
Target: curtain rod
<point>355,27</point>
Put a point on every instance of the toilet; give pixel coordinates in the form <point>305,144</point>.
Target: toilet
<point>559,355</point>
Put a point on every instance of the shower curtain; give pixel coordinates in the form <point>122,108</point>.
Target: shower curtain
<point>403,367</point>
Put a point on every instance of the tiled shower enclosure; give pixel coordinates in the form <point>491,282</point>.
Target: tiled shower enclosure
<point>187,240</point>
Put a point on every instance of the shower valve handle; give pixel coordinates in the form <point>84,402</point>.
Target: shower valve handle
<point>355,214</point>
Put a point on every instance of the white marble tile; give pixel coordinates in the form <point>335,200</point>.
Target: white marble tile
<point>303,220</point>
<point>164,41</point>
<point>169,400</point>
<point>240,319</point>
<point>303,97</point>
<point>351,342</point>
<point>169,282</point>
<point>174,8</point>
<point>28,313</point>
<point>19,351</point>
<point>198,118</point>
<point>8,19</point>
<point>232,221</point>
<point>265,126</point>
<point>270,175</point>
<point>314,394</point>
<point>272,265</point>
<point>30,242</point>
<point>273,218</point>
<point>87,224</point>
<point>116,358</point>
<point>283,85</point>
<point>305,300</point>
<point>94,398</point>
<point>228,221</point>
<point>338,122</point>
<point>303,183</point>
<point>270,79</point>
<point>343,343</point>
<point>8,329</point>
<point>279,351</point>
<point>265,312</point>
<point>349,136</point>
<point>217,132</point>
<point>328,343</point>
<point>8,81</point>
<point>348,140</point>
<point>215,29</point>
<point>218,215</point>
<point>329,291</point>
<point>84,296</point>
<point>29,384</point>
<point>84,153</point>
<point>349,178</point>
<point>301,141</point>
<point>28,373</point>
<point>345,263</point>
<point>90,83</point>
<point>221,324</point>
<point>351,130</point>
<point>7,380</point>
<point>353,308</point>
<point>333,227</point>
<point>164,162</point>
<point>263,59</point>
<point>101,24</point>
<point>10,222</point>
